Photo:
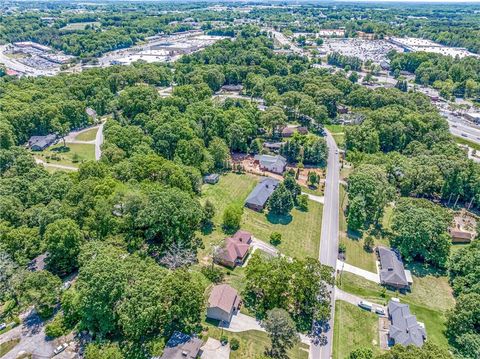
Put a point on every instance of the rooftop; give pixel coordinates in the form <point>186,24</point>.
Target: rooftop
<point>223,297</point>
<point>392,271</point>
<point>262,192</point>
<point>405,329</point>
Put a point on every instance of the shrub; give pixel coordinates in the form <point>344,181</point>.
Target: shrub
<point>56,328</point>
<point>302,202</point>
<point>275,238</point>
<point>342,248</point>
<point>234,344</point>
<point>368,244</point>
<point>213,274</point>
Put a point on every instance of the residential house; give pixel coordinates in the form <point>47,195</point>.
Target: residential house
<point>235,249</point>
<point>392,272</point>
<point>404,328</point>
<point>38,263</point>
<point>461,236</point>
<point>257,199</point>
<point>223,303</point>
<point>211,178</point>
<point>231,88</point>
<point>182,346</point>
<point>275,164</point>
<point>39,143</point>
<point>289,131</point>
<point>341,109</point>
<point>91,113</point>
<point>273,146</point>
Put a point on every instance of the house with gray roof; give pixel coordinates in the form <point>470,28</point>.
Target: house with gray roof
<point>257,199</point>
<point>404,328</point>
<point>182,346</point>
<point>392,272</point>
<point>275,164</point>
<point>39,143</point>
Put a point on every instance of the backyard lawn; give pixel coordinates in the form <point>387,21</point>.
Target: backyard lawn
<point>430,298</point>
<point>253,344</point>
<point>353,328</point>
<point>87,135</point>
<point>300,231</point>
<point>75,154</point>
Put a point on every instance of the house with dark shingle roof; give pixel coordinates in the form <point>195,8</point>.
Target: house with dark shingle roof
<point>257,199</point>
<point>404,328</point>
<point>39,143</point>
<point>182,346</point>
<point>392,272</point>
<point>223,303</point>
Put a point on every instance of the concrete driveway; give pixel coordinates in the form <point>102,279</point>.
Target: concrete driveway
<point>32,338</point>
<point>312,197</point>
<point>213,349</point>
<point>342,266</point>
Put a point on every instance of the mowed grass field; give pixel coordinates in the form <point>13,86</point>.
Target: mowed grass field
<point>53,154</point>
<point>429,300</point>
<point>253,343</point>
<point>300,232</point>
<point>353,328</point>
<point>87,135</point>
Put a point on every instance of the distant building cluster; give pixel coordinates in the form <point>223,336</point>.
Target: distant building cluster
<point>412,44</point>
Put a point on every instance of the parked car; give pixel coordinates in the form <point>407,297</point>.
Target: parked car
<point>379,311</point>
<point>60,348</point>
<point>365,305</point>
<point>3,326</point>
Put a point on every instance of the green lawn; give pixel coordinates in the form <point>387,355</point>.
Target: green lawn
<point>356,255</point>
<point>75,26</point>
<point>430,298</point>
<point>353,327</point>
<point>464,141</point>
<point>54,155</point>
<point>253,343</point>
<point>88,135</point>
<point>300,232</point>
<point>335,128</point>
<point>7,346</point>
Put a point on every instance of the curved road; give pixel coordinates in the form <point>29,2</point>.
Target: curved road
<point>329,237</point>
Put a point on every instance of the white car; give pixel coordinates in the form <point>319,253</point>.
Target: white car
<point>60,348</point>
<point>365,305</point>
<point>379,311</point>
<point>3,326</point>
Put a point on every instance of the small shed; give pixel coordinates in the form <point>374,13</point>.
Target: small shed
<point>212,178</point>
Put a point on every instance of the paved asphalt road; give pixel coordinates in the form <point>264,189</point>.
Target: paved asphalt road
<point>329,237</point>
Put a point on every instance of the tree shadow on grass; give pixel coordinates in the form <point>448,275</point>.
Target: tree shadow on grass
<point>61,149</point>
<point>279,219</point>
<point>419,269</point>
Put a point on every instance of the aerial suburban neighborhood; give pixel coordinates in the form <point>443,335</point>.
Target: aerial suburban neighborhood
<point>223,179</point>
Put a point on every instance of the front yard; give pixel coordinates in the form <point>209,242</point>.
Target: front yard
<point>429,300</point>
<point>253,343</point>
<point>300,231</point>
<point>353,328</point>
<point>72,156</point>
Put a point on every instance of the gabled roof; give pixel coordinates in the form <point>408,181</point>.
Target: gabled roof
<point>392,271</point>
<point>223,297</point>
<point>41,141</point>
<point>234,250</point>
<point>182,346</point>
<point>405,329</point>
<point>242,237</point>
<point>262,192</point>
<point>267,160</point>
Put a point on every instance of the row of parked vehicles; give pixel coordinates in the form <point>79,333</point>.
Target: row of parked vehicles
<point>371,307</point>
